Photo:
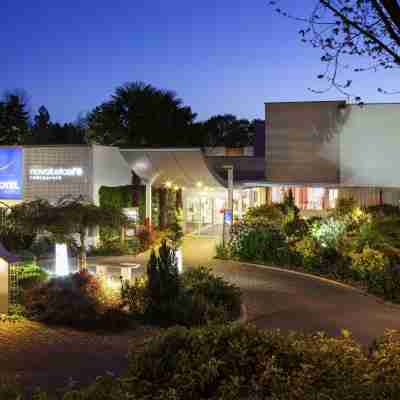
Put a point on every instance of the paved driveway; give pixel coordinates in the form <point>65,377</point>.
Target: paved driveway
<point>288,301</point>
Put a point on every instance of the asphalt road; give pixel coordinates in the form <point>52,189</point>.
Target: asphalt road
<point>284,300</point>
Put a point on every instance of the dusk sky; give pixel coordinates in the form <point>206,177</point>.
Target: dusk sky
<point>219,56</point>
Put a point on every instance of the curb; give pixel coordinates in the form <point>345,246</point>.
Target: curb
<point>321,279</point>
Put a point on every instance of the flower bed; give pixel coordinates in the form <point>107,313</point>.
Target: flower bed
<point>353,245</point>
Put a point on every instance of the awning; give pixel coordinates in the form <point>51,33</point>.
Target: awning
<point>181,167</point>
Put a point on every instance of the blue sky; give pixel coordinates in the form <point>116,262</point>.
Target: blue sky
<point>219,56</point>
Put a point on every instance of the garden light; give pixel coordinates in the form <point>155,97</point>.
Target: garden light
<point>62,266</point>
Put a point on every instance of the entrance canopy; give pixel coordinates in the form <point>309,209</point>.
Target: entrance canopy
<point>184,168</point>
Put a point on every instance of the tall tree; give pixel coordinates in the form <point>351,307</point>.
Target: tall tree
<point>141,115</point>
<point>45,132</point>
<point>228,131</point>
<point>14,119</point>
<point>368,30</point>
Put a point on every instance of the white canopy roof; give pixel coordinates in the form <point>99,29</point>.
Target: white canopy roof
<point>182,167</point>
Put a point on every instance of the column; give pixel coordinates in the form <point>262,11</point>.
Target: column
<point>148,205</point>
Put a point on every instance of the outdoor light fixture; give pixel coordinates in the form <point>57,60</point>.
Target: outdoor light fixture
<point>176,187</point>
<point>168,184</point>
<point>199,184</point>
<point>62,267</point>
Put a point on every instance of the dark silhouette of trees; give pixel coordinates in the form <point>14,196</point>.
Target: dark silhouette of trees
<point>14,119</point>
<point>45,132</point>
<point>142,115</point>
<point>367,30</point>
<point>228,131</point>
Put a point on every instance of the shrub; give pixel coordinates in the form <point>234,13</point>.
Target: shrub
<point>200,282</point>
<point>296,228</point>
<point>372,266</point>
<point>369,235</point>
<point>221,251</point>
<point>328,232</point>
<point>112,248</point>
<point>240,362</point>
<point>196,297</point>
<point>384,210</point>
<point>270,213</point>
<point>30,274</point>
<point>309,253</point>
<point>163,277</point>
<point>77,300</point>
<point>260,243</point>
<point>344,207</point>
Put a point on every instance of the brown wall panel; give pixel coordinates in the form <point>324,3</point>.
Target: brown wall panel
<point>302,142</point>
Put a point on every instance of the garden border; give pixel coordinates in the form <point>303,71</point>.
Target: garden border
<point>320,278</point>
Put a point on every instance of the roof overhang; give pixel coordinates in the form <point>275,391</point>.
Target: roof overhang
<point>181,167</point>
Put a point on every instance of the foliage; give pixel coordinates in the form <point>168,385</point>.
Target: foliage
<point>234,361</point>
<point>361,29</point>
<point>16,312</point>
<point>139,114</point>
<point>344,207</point>
<point>15,239</point>
<point>116,197</point>
<point>384,210</point>
<point>113,248</point>
<point>68,217</point>
<point>237,362</point>
<point>45,132</point>
<point>220,294</point>
<point>194,298</point>
<point>163,277</point>
<point>228,131</point>
<point>222,251</point>
<point>14,119</point>
<point>328,232</point>
<point>271,213</point>
<point>31,274</point>
<point>259,242</point>
<point>77,300</point>
<point>309,252</point>
<point>175,230</point>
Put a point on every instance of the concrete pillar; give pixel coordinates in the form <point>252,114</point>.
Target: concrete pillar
<point>148,204</point>
<point>230,188</point>
<point>3,286</point>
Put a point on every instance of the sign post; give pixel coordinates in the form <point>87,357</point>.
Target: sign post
<point>228,213</point>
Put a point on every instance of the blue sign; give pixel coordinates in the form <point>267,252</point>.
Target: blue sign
<point>11,174</point>
<point>228,219</point>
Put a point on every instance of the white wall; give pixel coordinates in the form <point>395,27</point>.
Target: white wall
<point>370,146</point>
<point>109,169</point>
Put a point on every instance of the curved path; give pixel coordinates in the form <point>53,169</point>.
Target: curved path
<point>289,301</point>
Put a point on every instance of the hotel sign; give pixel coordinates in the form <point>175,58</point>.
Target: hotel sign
<point>11,173</point>
<point>54,173</point>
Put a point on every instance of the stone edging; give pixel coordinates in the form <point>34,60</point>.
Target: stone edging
<point>320,278</point>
